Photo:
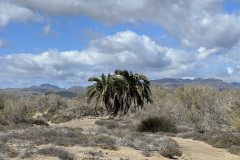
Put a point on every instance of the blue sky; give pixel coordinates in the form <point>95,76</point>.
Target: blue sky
<point>66,42</point>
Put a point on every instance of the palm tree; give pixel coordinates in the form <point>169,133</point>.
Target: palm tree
<point>136,89</point>
<point>119,91</point>
<point>101,90</point>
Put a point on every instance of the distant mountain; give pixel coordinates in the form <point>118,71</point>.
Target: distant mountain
<point>73,91</point>
<point>45,89</point>
<point>215,83</point>
<point>76,89</point>
<point>41,87</point>
<point>235,85</point>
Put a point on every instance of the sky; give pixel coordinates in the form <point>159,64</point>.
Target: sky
<point>65,42</point>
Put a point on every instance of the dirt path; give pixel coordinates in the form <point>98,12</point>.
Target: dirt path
<point>196,150</point>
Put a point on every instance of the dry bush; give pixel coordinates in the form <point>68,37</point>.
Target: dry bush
<point>225,140</point>
<point>234,150</point>
<point>43,103</point>
<point>40,122</point>
<point>73,112</point>
<point>61,153</point>
<point>198,107</point>
<point>5,97</point>
<point>234,115</point>
<point>108,123</point>
<point>94,153</point>
<point>171,152</point>
<point>58,109</point>
<point>46,135</point>
<point>103,141</point>
<point>17,112</point>
<point>128,137</point>
<point>7,151</point>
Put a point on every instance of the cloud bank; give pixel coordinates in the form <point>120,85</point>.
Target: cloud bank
<point>195,23</point>
<point>123,50</point>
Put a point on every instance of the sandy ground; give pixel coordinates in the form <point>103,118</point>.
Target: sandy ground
<point>196,150</point>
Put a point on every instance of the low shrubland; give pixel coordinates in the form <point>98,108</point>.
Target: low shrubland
<point>127,135</point>
<point>16,111</point>
<point>190,111</point>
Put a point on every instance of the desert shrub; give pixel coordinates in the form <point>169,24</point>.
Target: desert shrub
<point>61,136</point>
<point>105,142</point>
<point>43,103</point>
<point>7,151</point>
<point>109,124</point>
<point>4,98</point>
<point>17,112</point>
<point>156,124</point>
<point>171,152</point>
<point>57,152</point>
<point>40,122</point>
<point>73,112</point>
<point>93,153</point>
<point>199,128</point>
<point>234,150</point>
<point>226,140</point>
<point>234,115</point>
<point>192,105</point>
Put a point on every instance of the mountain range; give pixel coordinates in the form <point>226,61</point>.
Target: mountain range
<point>45,89</point>
<point>73,91</point>
<point>215,83</point>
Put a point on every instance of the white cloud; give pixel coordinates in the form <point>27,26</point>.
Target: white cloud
<point>204,53</point>
<point>195,23</point>
<point>124,50</point>
<point>229,70</point>
<point>11,12</point>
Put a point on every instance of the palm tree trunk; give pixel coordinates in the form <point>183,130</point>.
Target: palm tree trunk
<point>96,112</point>
<point>116,107</point>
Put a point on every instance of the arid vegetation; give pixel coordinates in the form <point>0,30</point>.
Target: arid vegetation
<point>191,111</point>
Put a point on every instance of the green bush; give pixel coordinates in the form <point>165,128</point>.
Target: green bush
<point>171,152</point>
<point>156,124</point>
